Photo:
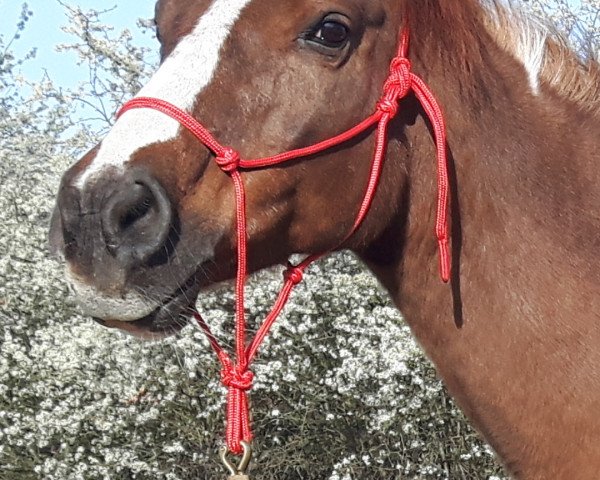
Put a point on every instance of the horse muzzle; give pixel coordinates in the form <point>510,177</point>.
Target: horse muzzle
<point>114,234</point>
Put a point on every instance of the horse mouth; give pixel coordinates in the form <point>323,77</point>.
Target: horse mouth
<point>166,320</point>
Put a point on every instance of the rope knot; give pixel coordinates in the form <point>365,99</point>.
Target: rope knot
<point>388,105</point>
<point>293,274</point>
<point>233,377</point>
<point>229,161</point>
<point>397,85</point>
<point>401,64</point>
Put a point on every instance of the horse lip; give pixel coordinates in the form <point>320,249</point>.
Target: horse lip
<point>56,241</point>
<point>168,319</point>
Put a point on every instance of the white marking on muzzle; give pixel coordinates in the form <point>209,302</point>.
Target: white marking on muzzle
<point>182,77</point>
<point>126,308</point>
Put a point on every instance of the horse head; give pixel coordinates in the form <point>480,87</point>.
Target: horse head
<point>147,218</point>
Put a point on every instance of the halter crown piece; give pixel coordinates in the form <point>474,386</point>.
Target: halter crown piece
<point>235,375</point>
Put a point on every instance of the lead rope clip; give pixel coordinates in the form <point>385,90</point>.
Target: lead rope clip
<point>238,473</point>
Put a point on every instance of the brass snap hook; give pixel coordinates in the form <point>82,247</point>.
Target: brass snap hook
<point>239,472</point>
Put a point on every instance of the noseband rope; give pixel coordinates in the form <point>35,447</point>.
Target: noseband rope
<point>236,376</point>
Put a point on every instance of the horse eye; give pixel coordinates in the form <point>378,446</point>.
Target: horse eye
<point>330,34</point>
<point>333,34</point>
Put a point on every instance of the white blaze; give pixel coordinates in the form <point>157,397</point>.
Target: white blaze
<point>180,79</point>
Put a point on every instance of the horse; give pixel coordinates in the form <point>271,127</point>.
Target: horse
<point>147,219</point>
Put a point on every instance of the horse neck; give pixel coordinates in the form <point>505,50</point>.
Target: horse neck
<point>518,326</point>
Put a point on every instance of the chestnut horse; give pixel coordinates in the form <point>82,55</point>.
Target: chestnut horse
<point>147,218</point>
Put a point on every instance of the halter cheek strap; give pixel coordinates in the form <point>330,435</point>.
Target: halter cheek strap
<point>236,376</point>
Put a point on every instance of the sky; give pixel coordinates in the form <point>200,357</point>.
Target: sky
<point>43,31</point>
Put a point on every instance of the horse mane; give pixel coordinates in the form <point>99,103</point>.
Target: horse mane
<point>546,53</point>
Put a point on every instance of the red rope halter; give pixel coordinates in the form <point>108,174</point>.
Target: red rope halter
<point>236,376</point>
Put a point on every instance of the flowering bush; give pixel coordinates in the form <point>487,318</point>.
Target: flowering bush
<point>342,391</point>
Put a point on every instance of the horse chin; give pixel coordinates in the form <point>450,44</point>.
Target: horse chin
<point>168,319</point>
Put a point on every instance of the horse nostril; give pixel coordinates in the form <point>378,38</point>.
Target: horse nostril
<point>135,208</point>
<point>137,218</point>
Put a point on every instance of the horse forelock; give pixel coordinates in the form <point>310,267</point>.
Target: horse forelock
<point>545,53</point>
<point>185,73</point>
